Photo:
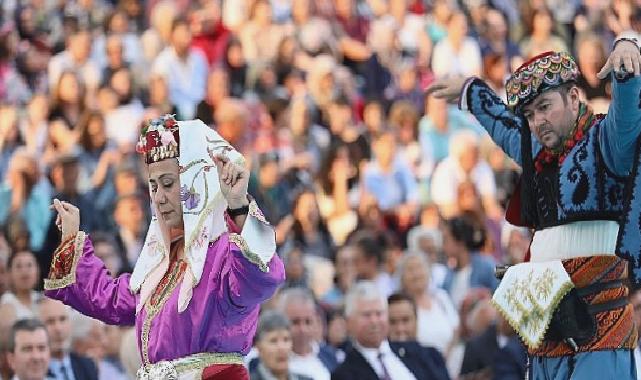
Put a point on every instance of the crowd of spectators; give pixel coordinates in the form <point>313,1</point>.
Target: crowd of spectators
<point>388,204</point>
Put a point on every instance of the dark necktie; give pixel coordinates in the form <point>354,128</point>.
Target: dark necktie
<point>63,371</point>
<point>386,375</point>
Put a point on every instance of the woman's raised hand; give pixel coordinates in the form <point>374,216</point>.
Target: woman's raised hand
<point>68,219</point>
<point>234,179</point>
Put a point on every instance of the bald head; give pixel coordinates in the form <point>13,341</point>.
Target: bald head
<point>55,316</point>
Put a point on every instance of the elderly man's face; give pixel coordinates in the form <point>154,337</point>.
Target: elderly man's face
<point>30,358</point>
<point>368,323</point>
<point>402,321</point>
<point>303,320</point>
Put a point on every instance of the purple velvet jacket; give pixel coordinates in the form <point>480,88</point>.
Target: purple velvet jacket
<point>221,316</point>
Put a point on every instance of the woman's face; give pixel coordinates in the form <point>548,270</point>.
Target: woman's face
<point>235,56</point>
<point>69,89</point>
<point>164,188</point>
<point>274,348</point>
<point>306,208</point>
<point>298,117</point>
<point>96,130</point>
<point>217,86</point>
<point>414,278</point>
<point>346,266</point>
<point>23,273</point>
<point>542,23</point>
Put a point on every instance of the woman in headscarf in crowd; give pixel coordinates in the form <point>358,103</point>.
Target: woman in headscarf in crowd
<point>206,265</point>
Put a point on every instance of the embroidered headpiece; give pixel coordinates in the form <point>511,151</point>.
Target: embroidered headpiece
<point>545,71</point>
<point>159,139</point>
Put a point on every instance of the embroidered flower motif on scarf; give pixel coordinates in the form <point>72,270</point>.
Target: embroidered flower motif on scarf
<point>189,197</point>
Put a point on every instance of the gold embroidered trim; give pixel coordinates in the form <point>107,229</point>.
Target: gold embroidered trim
<point>249,255</point>
<point>256,213</point>
<point>152,309</point>
<point>189,363</point>
<point>537,317</point>
<point>70,278</point>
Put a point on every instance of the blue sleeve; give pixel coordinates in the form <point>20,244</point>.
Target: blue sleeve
<point>498,120</point>
<point>622,124</point>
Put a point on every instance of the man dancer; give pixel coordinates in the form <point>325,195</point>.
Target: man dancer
<point>568,302</point>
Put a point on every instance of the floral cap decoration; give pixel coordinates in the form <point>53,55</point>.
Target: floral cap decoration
<point>540,73</point>
<point>159,139</point>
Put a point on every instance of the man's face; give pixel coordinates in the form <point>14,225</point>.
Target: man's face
<point>55,316</point>
<point>551,116</point>
<point>402,322</point>
<point>368,324</point>
<point>30,358</point>
<point>302,317</point>
<point>181,38</point>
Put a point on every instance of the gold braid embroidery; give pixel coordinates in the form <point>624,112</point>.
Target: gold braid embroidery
<point>69,278</point>
<point>249,255</point>
<point>155,303</point>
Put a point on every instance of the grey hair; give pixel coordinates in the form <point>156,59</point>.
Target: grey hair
<point>271,320</point>
<point>294,295</point>
<point>417,233</point>
<point>30,324</point>
<point>402,265</point>
<point>362,291</point>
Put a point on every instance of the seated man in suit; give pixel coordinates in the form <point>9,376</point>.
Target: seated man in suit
<point>28,350</point>
<point>309,357</point>
<point>372,356</point>
<point>64,364</point>
<point>497,353</point>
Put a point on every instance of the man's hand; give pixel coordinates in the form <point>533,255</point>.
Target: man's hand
<point>626,55</point>
<point>448,89</point>
<point>233,180</point>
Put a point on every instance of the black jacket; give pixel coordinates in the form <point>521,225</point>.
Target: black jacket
<point>426,363</point>
<point>83,368</point>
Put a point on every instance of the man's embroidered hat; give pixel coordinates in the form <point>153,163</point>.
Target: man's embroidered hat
<point>539,74</point>
<point>159,139</point>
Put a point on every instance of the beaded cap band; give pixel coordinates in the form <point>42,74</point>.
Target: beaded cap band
<point>545,71</point>
<point>159,139</point>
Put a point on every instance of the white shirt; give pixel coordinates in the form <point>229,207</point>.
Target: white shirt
<point>436,325</point>
<point>395,367</point>
<point>186,79</point>
<point>309,365</point>
<point>449,175</point>
<point>460,285</point>
<point>466,61</point>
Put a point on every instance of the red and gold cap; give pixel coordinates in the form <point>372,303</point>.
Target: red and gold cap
<point>159,139</point>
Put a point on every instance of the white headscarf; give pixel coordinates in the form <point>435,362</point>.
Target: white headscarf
<point>203,208</point>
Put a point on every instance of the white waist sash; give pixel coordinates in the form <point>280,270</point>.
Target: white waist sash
<point>578,239</point>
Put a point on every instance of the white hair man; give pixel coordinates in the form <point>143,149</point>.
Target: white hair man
<point>372,356</point>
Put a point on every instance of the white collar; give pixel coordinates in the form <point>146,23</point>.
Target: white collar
<point>384,348</point>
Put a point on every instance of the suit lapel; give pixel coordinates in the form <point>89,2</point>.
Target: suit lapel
<point>75,367</point>
<point>408,358</point>
<point>360,365</point>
